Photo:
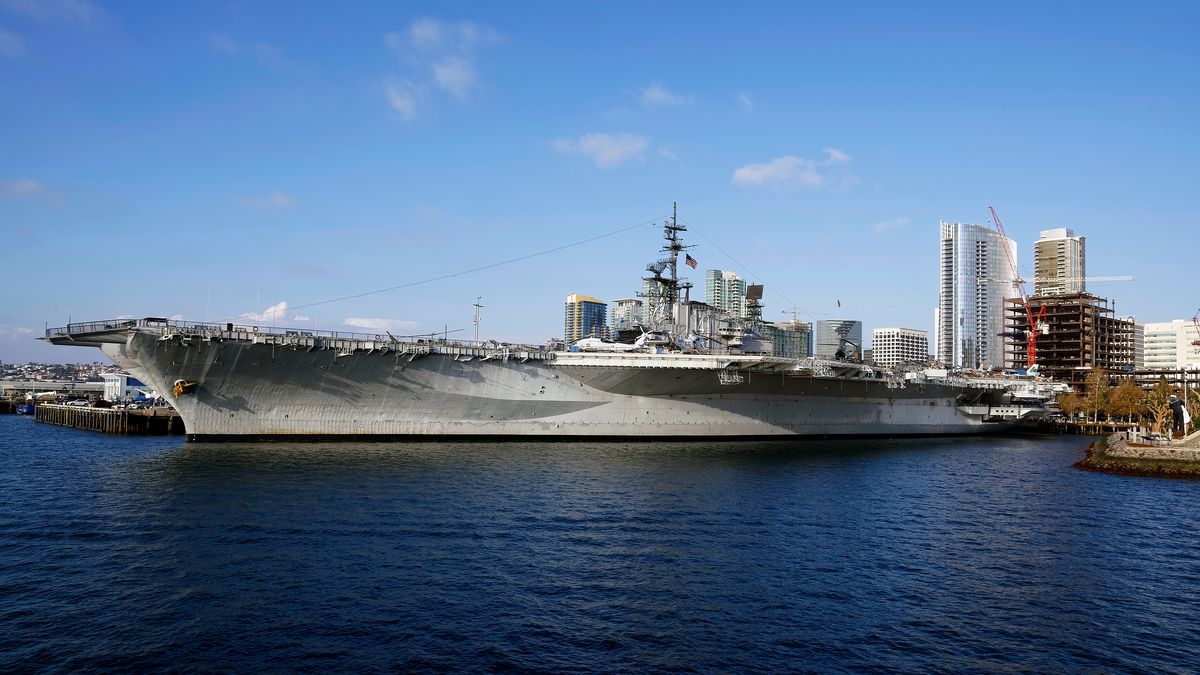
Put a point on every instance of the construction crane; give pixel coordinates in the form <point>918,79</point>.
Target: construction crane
<point>1065,280</point>
<point>1019,285</point>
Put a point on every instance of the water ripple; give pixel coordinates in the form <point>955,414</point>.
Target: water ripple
<point>921,555</point>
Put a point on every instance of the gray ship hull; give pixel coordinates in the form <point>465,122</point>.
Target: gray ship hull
<point>248,387</point>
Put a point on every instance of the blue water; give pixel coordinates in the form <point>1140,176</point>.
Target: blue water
<point>967,554</point>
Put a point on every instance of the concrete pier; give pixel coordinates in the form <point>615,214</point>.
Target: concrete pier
<point>1113,454</point>
<point>123,422</point>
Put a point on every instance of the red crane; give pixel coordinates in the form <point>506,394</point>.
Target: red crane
<point>1019,283</point>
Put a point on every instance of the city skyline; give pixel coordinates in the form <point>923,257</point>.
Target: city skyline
<point>214,163</point>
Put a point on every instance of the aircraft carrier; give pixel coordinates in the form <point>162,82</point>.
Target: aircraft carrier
<point>232,382</point>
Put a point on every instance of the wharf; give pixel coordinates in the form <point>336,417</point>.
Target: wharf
<point>1178,458</point>
<point>152,422</point>
<point>7,407</point>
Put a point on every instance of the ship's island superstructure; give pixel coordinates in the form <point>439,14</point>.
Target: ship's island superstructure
<point>683,377</point>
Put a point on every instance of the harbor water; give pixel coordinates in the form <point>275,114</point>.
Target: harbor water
<point>132,553</point>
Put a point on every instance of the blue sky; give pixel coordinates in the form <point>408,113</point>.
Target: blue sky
<point>211,160</point>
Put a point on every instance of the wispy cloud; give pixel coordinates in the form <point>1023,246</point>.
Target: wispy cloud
<point>456,75</point>
<point>405,98</point>
<point>276,201</point>
<point>27,188</point>
<point>14,332</point>
<point>267,55</point>
<point>79,11</point>
<point>746,102</point>
<point>656,94</point>
<point>272,313</point>
<point>22,232</point>
<point>439,55</point>
<point>24,187</point>
<point>789,172</point>
<point>666,153</point>
<point>301,317</point>
<point>11,45</point>
<point>890,225</point>
<point>606,150</point>
<point>383,325</point>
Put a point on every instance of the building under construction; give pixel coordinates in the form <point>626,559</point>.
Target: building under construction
<point>1076,333</point>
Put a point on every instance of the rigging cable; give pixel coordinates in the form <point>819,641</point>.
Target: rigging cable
<point>749,272</point>
<point>481,268</point>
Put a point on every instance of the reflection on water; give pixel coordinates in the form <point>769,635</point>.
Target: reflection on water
<point>124,553</point>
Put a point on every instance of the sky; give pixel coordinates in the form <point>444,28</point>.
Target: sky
<point>210,161</point>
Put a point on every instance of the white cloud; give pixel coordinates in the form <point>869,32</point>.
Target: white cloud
<point>176,317</point>
<point>429,34</point>
<point>301,317</point>
<point>456,75</point>
<point>746,101</point>
<point>271,313</point>
<point>666,153</point>
<point>404,97</point>
<point>383,325</point>
<point>11,45</point>
<point>423,33</point>
<point>790,173</point>
<point>10,333</point>
<point>25,188</point>
<point>266,54</point>
<point>437,55</point>
<point>276,201</point>
<point>890,225</point>
<point>655,94</point>
<point>606,150</point>
<point>48,10</point>
<point>836,156</point>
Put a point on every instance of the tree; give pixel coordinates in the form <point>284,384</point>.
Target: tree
<point>1070,404</point>
<point>1158,406</point>
<point>1124,401</point>
<point>1095,394</point>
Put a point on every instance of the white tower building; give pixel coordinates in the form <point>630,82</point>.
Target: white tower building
<point>1059,263</point>
<point>725,291</point>
<point>977,268</point>
<point>1168,345</point>
<point>893,346</point>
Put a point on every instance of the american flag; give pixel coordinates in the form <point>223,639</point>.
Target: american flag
<point>691,262</point>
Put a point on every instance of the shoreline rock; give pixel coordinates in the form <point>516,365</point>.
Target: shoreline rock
<point>1111,454</point>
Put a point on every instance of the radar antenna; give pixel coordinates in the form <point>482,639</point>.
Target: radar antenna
<point>664,290</point>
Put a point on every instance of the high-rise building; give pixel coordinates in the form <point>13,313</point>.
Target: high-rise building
<point>626,312</point>
<point>1169,345</point>
<point>790,339</point>
<point>833,335</point>
<point>893,346</point>
<point>1077,333</point>
<point>977,269</point>
<point>1139,342</point>
<point>725,291</point>
<point>1059,263</point>
<point>585,317</point>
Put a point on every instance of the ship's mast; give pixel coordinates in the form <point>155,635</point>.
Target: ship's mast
<point>674,245</point>
<point>669,263</point>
